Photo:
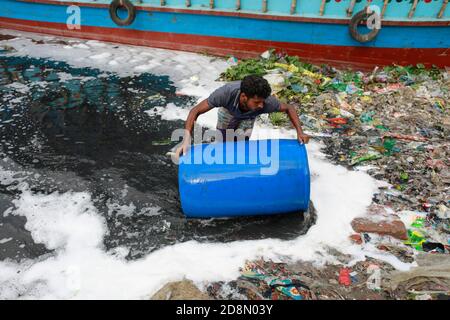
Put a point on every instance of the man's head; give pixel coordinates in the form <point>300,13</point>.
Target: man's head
<point>254,90</point>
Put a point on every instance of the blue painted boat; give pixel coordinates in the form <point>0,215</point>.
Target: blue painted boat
<point>256,177</point>
<point>412,31</point>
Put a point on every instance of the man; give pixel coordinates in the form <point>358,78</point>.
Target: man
<point>239,104</point>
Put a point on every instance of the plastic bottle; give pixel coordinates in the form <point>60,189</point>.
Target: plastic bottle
<point>374,281</point>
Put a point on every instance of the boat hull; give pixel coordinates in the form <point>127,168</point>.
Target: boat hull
<point>244,35</point>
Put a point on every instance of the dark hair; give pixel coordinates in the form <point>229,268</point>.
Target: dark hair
<point>255,86</point>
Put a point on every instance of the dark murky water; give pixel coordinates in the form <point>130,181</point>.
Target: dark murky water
<point>64,128</point>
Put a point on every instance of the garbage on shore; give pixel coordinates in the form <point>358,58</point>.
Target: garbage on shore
<point>394,123</point>
<point>395,119</point>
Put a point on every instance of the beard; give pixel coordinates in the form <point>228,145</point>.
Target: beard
<point>244,106</point>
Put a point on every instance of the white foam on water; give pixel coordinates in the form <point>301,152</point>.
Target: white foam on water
<point>196,78</point>
<point>101,56</point>
<point>5,240</point>
<point>64,77</point>
<point>20,87</point>
<point>118,210</point>
<point>70,225</point>
<point>81,269</point>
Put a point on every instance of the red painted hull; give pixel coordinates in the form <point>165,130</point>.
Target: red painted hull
<point>347,56</point>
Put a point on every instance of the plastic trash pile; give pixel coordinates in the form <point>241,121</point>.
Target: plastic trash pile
<point>268,280</point>
<point>395,120</point>
<point>394,123</point>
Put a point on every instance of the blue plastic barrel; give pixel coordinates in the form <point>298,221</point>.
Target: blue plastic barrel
<point>244,178</point>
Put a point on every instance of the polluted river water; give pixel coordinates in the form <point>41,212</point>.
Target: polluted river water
<point>89,198</point>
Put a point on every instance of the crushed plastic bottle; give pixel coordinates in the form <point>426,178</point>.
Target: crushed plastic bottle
<point>366,157</point>
<point>374,280</point>
<point>232,61</point>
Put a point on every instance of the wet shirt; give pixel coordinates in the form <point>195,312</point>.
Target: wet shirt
<point>227,97</point>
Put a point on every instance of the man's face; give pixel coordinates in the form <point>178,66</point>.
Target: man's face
<point>252,104</point>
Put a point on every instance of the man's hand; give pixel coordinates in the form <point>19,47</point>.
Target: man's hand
<point>182,150</point>
<point>199,109</point>
<point>303,138</point>
<point>293,116</point>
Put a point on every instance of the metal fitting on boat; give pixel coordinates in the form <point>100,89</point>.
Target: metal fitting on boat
<point>353,27</point>
<point>131,12</point>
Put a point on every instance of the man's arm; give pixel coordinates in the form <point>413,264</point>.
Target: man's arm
<point>199,109</point>
<point>293,116</point>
